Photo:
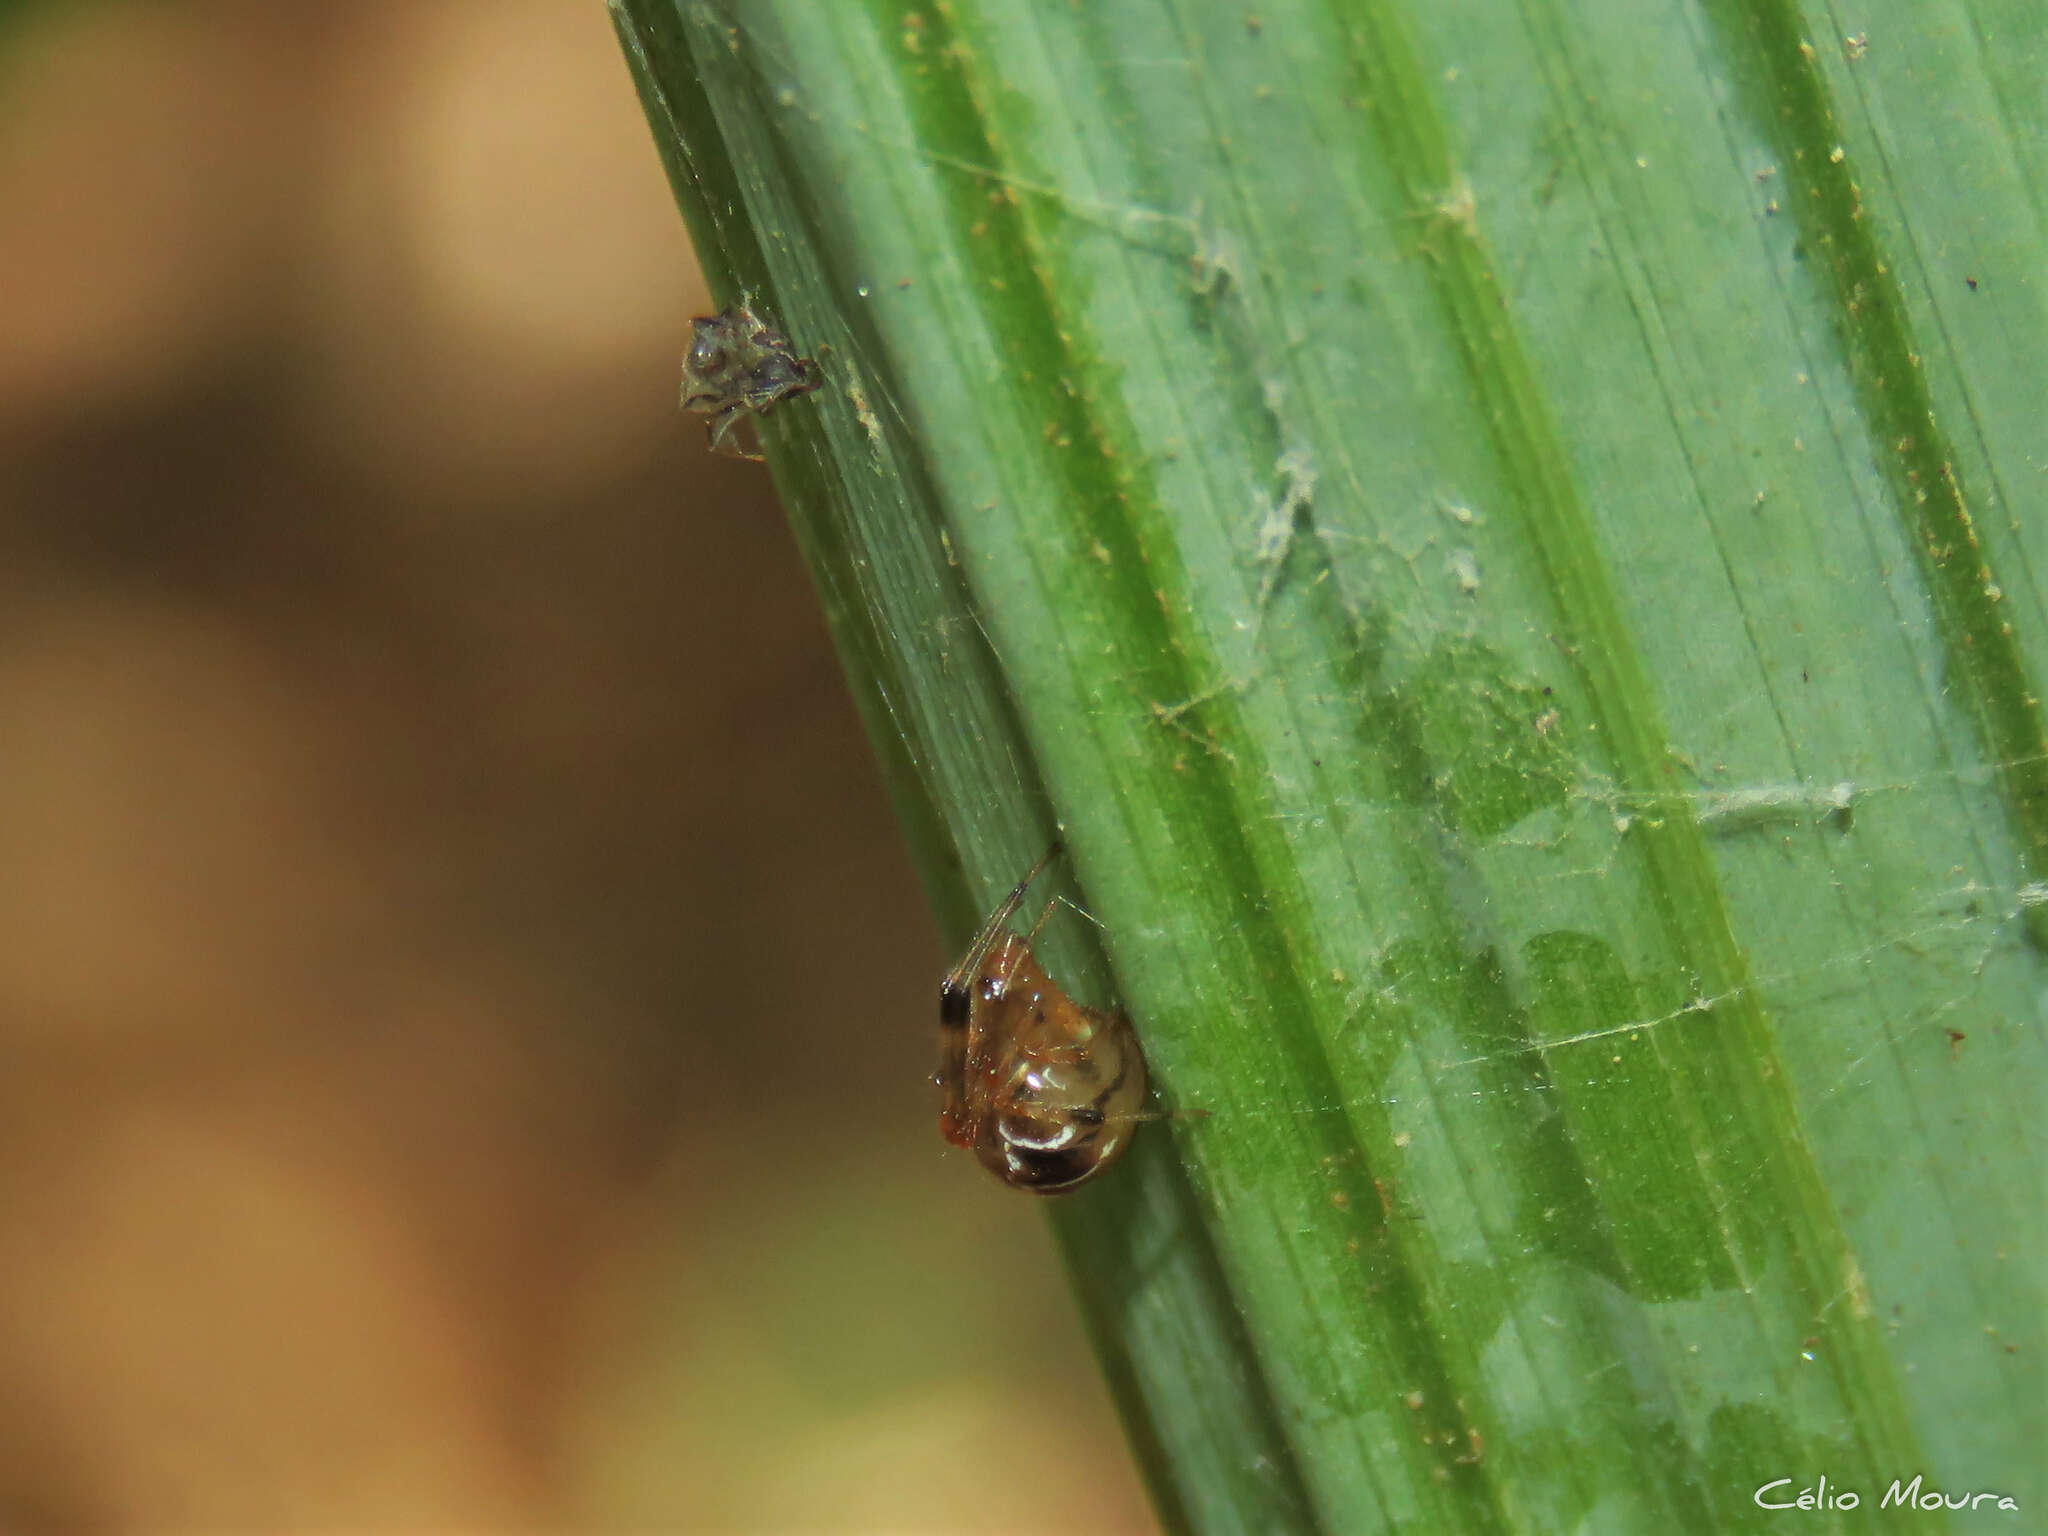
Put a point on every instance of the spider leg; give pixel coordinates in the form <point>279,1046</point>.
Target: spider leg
<point>1060,901</point>
<point>720,431</point>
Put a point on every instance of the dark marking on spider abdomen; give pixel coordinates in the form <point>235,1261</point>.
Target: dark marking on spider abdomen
<point>1048,1172</point>
<point>955,1004</point>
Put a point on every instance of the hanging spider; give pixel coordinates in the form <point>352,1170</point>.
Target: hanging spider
<point>741,365</point>
<point>1045,1092</point>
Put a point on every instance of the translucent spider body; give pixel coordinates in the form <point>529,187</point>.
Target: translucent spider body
<point>741,365</point>
<point>1045,1092</point>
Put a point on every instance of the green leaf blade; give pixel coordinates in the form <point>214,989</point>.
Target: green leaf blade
<point>1549,789</point>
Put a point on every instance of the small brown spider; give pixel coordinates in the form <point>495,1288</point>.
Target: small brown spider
<point>1046,1093</point>
<point>741,365</point>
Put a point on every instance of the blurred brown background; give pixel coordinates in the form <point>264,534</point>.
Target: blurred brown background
<point>465,1008</point>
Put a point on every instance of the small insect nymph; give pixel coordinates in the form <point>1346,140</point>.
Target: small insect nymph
<point>1044,1091</point>
<point>741,365</point>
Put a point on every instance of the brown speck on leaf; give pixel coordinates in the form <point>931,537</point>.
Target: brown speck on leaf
<point>1955,1043</point>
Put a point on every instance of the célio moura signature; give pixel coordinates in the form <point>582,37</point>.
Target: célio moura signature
<point>1780,1494</point>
